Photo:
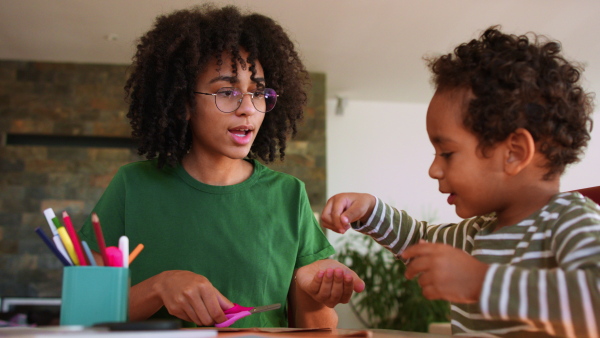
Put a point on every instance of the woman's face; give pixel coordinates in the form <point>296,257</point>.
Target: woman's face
<point>220,135</point>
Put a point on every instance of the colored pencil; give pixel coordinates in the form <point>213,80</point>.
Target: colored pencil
<point>88,253</point>
<point>52,247</point>
<point>135,252</point>
<point>66,240</point>
<point>74,238</point>
<point>99,238</point>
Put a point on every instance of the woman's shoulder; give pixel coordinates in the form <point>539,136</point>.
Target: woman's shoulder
<point>143,169</point>
<point>267,174</point>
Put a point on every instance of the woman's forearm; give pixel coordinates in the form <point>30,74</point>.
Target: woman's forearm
<point>306,312</point>
<point>144,300</point>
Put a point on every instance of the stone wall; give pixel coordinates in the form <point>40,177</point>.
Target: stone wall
<point>83,100</point>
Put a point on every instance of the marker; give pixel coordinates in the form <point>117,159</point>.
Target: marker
<point>135,252</point>
<point>88,253</point>
<point>66,240</point>
<point>49,213</point>
<point>52,247</point>
<point>124,247</point>
<point>74,238</point>
<point>115,256</point>
<point>99,237</point>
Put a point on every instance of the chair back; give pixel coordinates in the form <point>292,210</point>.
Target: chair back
<point>592,193</point>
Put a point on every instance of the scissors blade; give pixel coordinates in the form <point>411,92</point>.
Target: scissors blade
<point>265,308</point>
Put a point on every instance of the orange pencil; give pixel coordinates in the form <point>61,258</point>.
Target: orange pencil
<point>135,252</point>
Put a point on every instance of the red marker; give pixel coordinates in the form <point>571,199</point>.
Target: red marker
<point>100,238</point>
<point>74,238</point>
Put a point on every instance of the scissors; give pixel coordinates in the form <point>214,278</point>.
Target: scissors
<point>238,311</point>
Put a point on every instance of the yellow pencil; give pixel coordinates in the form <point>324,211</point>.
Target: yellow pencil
<point>135,252</point>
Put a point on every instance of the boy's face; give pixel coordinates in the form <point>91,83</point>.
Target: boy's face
<point>226,135</point>
<point>472,179</point>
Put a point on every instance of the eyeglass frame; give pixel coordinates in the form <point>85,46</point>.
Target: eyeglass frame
<point>241,99</point>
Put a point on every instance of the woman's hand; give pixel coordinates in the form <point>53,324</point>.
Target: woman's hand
<point>191,297</point>
<point>329,282</point>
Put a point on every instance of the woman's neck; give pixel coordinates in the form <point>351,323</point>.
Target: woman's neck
<point>219,172</point>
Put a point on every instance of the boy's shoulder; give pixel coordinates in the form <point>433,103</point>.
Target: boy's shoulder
<point>572,200</point>
<point>569,208</point>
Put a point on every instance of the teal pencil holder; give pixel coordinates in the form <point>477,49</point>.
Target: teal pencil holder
<point>94,294</point>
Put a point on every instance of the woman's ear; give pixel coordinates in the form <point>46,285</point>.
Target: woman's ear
<point>521,150</point>
<point>188,114</point>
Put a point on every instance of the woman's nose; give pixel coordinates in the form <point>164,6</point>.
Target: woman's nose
<point>246,105</point>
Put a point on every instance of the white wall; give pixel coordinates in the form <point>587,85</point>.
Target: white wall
<point>382,148</point>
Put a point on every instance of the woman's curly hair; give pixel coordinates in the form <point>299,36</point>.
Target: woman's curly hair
<point>518,82</point>
<point>169,57</point>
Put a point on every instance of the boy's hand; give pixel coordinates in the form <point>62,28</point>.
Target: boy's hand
<point>445,272</point>
<point>343,209</point>
<point>329,282</point>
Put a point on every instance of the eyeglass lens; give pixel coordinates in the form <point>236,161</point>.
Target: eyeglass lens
<point>229,99</point>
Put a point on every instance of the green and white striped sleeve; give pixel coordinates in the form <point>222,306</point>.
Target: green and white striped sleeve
<point>395,230</point>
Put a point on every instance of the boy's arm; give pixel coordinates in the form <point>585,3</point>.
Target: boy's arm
<point>393,229</point>
<point>370,216</point>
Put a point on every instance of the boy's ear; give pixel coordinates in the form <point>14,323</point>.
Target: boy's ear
<point>520,151</point>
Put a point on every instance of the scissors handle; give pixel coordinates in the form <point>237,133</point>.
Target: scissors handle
<point>237,308</point>
<point>234,313</point>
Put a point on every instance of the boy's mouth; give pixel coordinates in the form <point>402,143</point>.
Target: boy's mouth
<point>451,198</point>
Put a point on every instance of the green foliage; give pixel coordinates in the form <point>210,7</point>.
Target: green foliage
<point>390,301</point>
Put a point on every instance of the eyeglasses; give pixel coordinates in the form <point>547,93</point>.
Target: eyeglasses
<point>229,99</point>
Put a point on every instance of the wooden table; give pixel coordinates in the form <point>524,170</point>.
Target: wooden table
<point>66,332</point>
<point>337,333</point>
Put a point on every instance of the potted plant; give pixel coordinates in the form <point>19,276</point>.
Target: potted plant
<point>390,301</point>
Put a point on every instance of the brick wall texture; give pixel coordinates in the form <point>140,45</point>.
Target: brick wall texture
<point>88,100</point>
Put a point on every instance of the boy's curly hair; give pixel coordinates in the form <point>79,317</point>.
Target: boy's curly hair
<point>169,57</point>
<point>520,82</point>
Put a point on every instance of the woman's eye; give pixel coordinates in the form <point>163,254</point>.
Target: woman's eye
<point>227,93</point>
<point>259,94</point>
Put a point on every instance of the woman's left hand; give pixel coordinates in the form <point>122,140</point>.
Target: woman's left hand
<point>329,282</point>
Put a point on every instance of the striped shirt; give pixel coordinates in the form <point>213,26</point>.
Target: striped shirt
<point>544,274</point>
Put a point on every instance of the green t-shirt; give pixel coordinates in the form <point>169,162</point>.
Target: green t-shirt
<point>246,238</point>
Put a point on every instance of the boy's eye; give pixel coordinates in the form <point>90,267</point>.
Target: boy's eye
<point>446,155</point>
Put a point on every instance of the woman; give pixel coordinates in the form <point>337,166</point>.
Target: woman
<point>211,90</point>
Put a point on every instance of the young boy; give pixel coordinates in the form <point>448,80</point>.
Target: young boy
<point>507,117</point>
